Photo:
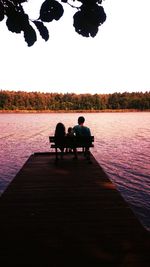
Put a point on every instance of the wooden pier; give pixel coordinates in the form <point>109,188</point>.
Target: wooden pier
<point>69,214</point>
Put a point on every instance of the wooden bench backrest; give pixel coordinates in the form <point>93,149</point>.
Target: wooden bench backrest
<point>76,141</point>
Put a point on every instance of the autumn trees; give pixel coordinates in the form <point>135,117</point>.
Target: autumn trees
<point>11,100</point>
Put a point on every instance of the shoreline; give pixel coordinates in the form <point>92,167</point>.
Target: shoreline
<point>75,111</point>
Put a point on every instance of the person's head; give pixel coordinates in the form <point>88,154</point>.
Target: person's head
<point>60,129</point>
<point>81,120</point>
<point>70,130</point>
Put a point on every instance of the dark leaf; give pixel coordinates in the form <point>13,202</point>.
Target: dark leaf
<point>10,9</point>
<point>89,2</point>
<point>87,21</point>
<point>94,31</point>
<point>42,29</point>
<point>1,12</point>
<point>82,25</point>
<point>94,14</point>
<point>13,26</point>
<point>101,15</point>
<point>16,22</point>
<point>51,10</point>
<point>17,19</point>
<point>19,1</point>
<point>30,35</point>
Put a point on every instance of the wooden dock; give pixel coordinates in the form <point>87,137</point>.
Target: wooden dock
<point>69,214</point>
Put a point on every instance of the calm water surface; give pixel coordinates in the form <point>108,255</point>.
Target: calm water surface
<point>122,147</point>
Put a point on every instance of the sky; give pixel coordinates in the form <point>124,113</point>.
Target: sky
<point>116,60</point>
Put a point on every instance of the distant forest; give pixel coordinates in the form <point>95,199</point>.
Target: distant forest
<point>11,100</point>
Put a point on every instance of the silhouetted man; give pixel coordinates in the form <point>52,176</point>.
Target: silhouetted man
<point>81,130</point>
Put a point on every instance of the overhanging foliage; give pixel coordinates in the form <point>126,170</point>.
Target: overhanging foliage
<point>86,21</point>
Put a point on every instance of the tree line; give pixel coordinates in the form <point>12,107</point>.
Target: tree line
<point>12,100</point>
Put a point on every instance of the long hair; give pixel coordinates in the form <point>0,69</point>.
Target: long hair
<point>60,130</point>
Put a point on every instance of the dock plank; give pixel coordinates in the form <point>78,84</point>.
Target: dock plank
<point>69,214</point>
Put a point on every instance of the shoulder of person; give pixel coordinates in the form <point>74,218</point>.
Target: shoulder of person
<point>87,127</point>
<point>88,130</point>
<point>76,127</point>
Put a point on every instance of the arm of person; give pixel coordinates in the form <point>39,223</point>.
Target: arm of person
<point>89,132</point>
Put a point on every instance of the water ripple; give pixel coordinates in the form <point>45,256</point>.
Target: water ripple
<point>121,147</point>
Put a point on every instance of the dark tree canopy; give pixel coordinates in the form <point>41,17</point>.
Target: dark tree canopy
<point>88,17</point>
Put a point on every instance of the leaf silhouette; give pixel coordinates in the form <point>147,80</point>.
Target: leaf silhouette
<point>13,24</point>
<point>30,35</point>
<point>19,1</point>
<point>42,29</point>
<point>89,16</point>
<point>12,27</point>
<point>1,12</point>
<point>16,18</point>
<point>51,10</point>
<point>88,19</point>
<point>101,15</point>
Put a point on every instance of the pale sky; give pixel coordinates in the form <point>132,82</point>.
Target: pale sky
<point>116,60</point>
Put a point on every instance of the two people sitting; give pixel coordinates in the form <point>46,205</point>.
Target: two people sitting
<point>77,130</point>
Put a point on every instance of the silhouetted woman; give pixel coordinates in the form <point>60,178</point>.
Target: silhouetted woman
<point>59,138</point>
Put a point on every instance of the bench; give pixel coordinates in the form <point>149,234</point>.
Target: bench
<point>72,142</point>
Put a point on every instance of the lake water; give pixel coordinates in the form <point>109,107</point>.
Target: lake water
<point>122,147</point>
